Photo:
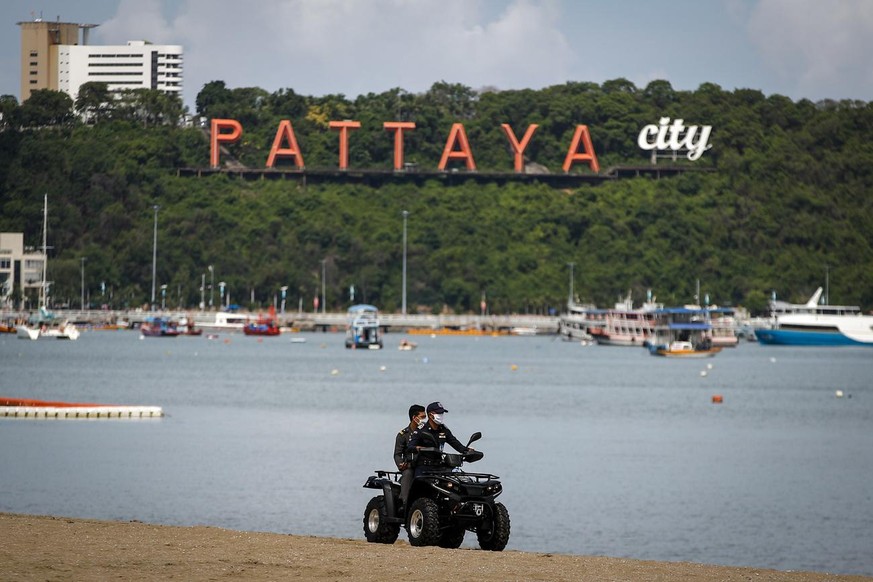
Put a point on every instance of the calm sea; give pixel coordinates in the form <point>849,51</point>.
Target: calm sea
<point>602,450</point>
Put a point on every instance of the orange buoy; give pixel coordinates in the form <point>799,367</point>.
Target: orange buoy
<point>717,399</point>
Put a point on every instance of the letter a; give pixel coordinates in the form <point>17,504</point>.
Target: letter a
<point>573,154</point>
<point>518,149</point>
<point>217,137</point>
<point>457,134</point>
<point>292,151</point>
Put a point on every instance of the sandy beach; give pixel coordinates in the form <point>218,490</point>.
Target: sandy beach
<point>58,548</point>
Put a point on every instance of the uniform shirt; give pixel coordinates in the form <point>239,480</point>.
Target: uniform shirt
<point>441,435</point>
<point>401,442</point>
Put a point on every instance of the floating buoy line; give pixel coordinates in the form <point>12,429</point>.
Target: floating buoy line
<point>29,408</point>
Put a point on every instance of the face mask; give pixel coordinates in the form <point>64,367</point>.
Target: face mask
<point>421,422</point>
<point>438,418</point>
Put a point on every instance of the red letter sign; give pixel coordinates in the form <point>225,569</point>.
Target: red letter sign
<point>344,127</point>
<point>518,149</point>
<point>217,137</point>
<point>457,134</point>
<point>287,132</point>
<point>397,127</point>
<point>574,156</point>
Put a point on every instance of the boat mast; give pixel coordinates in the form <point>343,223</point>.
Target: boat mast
<point>42,290</point>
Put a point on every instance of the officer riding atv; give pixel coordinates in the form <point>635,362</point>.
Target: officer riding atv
<point>444,501</point>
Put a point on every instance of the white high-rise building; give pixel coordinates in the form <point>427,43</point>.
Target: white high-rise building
<point>52,57</point>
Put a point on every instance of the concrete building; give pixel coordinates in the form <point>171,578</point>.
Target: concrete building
<point>54,56</point>
<point>19,267</point>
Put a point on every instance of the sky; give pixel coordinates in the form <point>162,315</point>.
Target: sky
<point>803,49</point>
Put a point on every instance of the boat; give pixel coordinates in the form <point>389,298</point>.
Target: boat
<point>265,325</point>
<point>626,326</point>
<point>44,324</point>
<point>522,330</point>
<point>581,322</point>
<point>406,345</point>
<point>363,328</point>
<point>682,332</point>
<point>187,326</point>
<point>724,327</point>
<point>156,326</point>
<point>226,321</point>
<point>811,324</point>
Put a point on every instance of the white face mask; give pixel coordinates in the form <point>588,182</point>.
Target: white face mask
<point>422,422</point>
<point>438,418</point>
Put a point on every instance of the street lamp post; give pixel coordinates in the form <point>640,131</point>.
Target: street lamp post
<point>323,287</point>
<point>82,303</point>
<point>202,291</point>
<point>154,254</point>
<point>211,285</point>
<point>163,297</point>
<point>221,292</point>
<point>405,214</point>
<point>284,291</point>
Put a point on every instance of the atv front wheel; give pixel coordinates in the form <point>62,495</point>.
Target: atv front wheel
<point>423,523</point>
<point>376,528</point>
<point>452,537</point>
<point>495,537</point>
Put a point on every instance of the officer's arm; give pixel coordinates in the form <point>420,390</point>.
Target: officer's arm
<point>399,449</point>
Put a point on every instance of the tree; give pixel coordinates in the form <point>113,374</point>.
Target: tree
<point>94,102</point>
<point>46,108</point>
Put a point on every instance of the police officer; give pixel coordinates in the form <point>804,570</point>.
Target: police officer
<point>402,458</point>
<point>433,434</point>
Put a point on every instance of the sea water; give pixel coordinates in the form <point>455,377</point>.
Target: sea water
<point>602,450</point>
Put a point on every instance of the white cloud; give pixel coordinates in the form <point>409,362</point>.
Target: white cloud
<point>136,20</point>
<point>816,45</point>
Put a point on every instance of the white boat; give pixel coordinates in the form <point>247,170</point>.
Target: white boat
<point>579,321</point>
<point>724,327</point>
<point>225,321</point>
<point>626,326</point>
<point>811,324</point>
<point>363,328</point>
<point>44,325</point>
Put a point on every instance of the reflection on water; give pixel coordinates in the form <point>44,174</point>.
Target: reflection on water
<point>603,451</point>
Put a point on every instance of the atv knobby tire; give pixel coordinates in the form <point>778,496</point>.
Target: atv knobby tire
<point>376,528</point>
<point>495,537</point>
<point>423,523</point>
<point>452,537</point>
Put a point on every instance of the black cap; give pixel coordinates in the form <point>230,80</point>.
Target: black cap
<point>436,407</point>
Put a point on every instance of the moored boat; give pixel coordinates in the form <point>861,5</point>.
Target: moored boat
<point>156,326</point>
<point>263,326</point>
<point>682,332</point>
<point>811,324</point>
<point>626,326</point>
<point>363,329</point>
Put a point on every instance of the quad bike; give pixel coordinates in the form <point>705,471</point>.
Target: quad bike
<point>444,503</point>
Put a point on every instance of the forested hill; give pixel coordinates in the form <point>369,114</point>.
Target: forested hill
<point>787,199</point>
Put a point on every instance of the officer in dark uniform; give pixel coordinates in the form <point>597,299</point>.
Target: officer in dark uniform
<point>433,434</point>
<point>402,458</point>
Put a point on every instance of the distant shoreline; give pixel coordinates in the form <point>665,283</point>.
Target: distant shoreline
<point>45,547</point>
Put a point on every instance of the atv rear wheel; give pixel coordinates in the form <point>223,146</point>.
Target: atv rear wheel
<point>452,537</point>
<point>423,523</point>
<point>495,537</point>
<point>376,528</point>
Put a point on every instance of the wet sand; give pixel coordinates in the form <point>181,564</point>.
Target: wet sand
<point>57,548</point>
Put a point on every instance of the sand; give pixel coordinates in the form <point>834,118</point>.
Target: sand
<point>58,548</point>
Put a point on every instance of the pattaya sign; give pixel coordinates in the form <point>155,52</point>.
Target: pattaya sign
<point>457,148</point>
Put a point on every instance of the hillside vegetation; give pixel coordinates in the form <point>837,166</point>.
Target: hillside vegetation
<point>787,199</point>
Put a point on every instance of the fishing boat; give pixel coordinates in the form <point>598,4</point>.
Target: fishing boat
<point>811,324</point>
<point>187,326</point>
<point>363,328</point>
<point>682,332</point>
<point>581,322</point>
<point>724,327</point>
<point>226,321</point>
<point>264,325</point>
<point>156,326</point>
<point>626,326</point>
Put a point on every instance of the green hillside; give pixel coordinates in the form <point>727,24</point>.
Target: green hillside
<point>787,196</point>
